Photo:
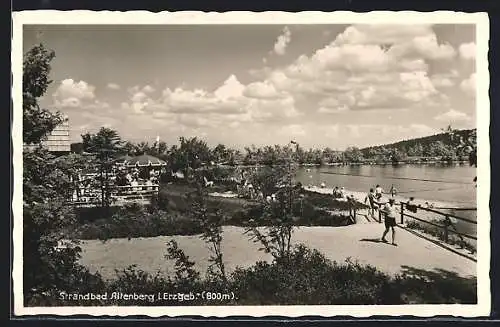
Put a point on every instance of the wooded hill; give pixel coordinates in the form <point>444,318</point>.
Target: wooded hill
<point>443,145</point>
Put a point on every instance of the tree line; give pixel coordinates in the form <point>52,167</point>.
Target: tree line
<point>450,145</point>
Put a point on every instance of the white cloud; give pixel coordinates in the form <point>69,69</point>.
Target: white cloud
<point>333,110</point>
<point>467,50</point>
<point>73,94</point>
<point>367,67</point>
<point>428,47</point>
<point>452,116</point>
<point>282,41</point>
<point>381,34</point>
<point>148,89</point>
<point>138,97</point>
<point>469,85</point>
<point>398,41</point>
<point>262,90</point>
<point>442,80</point>
<point>113,86</point>
<point>230,89</point>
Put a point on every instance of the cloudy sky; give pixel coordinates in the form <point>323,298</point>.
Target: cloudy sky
<point>321,85</point>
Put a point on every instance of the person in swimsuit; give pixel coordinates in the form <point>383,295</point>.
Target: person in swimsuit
<point>390,220</point>
<point>370,198</point>
<point>393,191</point>
<point>378,192</point>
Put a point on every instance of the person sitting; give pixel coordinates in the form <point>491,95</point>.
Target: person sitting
<point>336,192</point>
<point>412,207</point>
<point>342,192</point>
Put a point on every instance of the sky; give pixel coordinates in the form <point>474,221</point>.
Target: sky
<point>320,85</point>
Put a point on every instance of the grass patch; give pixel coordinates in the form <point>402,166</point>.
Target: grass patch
<point>438,232</point>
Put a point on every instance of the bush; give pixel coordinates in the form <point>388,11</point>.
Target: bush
<point>307,277</point>
<point>134,221</point>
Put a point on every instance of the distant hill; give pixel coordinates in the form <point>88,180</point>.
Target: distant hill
<point>439,145</point>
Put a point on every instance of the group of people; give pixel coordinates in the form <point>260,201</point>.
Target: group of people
<point>137,179</point>
<point>374,200</point>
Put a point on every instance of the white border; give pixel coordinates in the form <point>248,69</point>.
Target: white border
<point>190,17</point>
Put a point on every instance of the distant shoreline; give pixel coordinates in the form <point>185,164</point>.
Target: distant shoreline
<point>367,163</point>
<point>374,163</point>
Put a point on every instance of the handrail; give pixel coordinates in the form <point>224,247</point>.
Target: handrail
<point>445,226</point>
<point>445,214</point>
<point>440,226</point>
<point>453,208</point>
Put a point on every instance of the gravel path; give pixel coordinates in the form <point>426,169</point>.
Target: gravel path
<point>359,242</point>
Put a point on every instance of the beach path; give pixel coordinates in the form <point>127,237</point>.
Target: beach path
<point>359,242</point>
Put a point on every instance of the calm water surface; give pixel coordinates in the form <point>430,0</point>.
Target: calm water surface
<point>451,183</point>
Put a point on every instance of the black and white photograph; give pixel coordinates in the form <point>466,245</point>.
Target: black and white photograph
<point>251,163</point>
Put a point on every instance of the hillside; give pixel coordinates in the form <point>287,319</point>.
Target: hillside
<point>439,145</point>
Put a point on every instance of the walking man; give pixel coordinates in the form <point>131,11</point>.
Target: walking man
<point>390,221</point>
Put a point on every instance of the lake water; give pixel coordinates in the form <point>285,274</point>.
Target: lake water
<point>443,184</point>
<point>433,182</point>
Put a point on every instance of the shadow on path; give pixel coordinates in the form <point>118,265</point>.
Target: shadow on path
<point>435,286</point>
<point>373,240</point>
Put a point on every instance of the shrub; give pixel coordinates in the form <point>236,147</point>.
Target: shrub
<point>307,277</point>
<point>134,221</point>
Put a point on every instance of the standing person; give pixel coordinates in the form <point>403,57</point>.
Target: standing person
<point>378,192</point>
<point>390,221</point>
<point>393,191</point>
<point>370,198</point>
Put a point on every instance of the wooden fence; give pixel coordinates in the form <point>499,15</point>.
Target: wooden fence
<point>118,195</point>
<point>447,225</point>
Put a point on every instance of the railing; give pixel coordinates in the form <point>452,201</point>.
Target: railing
<point>93,197</point>
<point>447,225</point>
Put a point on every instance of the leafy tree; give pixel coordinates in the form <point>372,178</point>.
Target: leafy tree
<point>211,220</point>
<point>47,184</point>
<point>106,145</point>
<point>192,154</point>
<point>107,142</point>
<point>37,122</point>
<point>142,148</point>
<point>353,154</point>
<point>129,148</point>
<point>278,215</point>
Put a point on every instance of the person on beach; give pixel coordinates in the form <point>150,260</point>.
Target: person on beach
<point>390,221</point>
<point>370,198</point>
<point>411,206</point>
<point>378,192</point>
<point>336,192</point>
<point>393,191</point>
<point>342,192</point>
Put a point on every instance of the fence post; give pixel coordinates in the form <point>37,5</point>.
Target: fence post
<point>402,212</point>
<point>446,228</point>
